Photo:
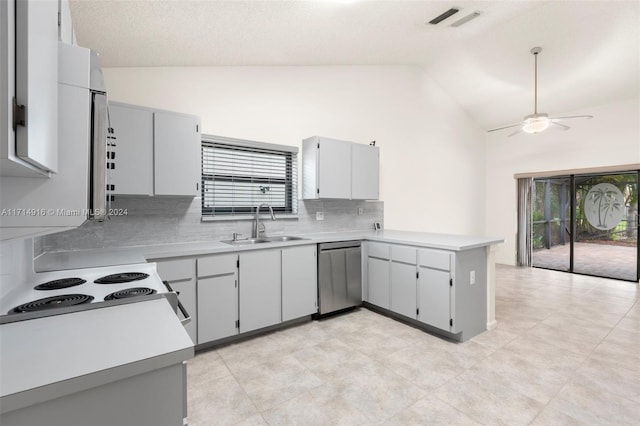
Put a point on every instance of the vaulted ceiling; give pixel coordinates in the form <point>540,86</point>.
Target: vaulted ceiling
<point>591,49</point>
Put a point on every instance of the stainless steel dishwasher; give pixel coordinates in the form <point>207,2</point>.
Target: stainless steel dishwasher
<point>339,276</point>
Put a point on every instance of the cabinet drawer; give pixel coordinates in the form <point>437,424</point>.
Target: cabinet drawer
<point>217,265</point>
<point>437,259</point>
<point>404,254</point>
<point>378,250</point>
<point>177,270</point>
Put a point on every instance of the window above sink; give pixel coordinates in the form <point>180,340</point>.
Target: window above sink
<point>238,175</point>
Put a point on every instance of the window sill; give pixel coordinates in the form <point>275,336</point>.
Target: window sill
<point>263,216</point>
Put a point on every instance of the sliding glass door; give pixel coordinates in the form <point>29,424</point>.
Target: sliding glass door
<point>551,223</point>
<point>587,224</point>
<point>606,226</point>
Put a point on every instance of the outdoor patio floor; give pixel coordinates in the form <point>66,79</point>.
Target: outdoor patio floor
<point>592,259</point>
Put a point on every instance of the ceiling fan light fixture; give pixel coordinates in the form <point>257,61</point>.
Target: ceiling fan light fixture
<point>536,123</point>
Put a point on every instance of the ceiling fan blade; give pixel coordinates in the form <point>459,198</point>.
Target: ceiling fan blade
<point>514,133</point>
<point>569,117</point>
<point>564,126</point>
<point>505,127</point>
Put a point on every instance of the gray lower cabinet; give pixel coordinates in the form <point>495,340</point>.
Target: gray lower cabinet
<point>240,292</point>
<point>403,280</point>
<point>378,286</point>
<point>434,298</point>
<point>435,288</point>
<point>260,289</point>
<point>403,289</point>
<point>432,286</point>
<point>299,285</point>
<point>181,275</point>
<point>217,297</point>
<point>157,397</point>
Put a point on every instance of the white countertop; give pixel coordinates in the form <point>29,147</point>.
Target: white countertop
<point>80,350</point>
<point>52,261</point>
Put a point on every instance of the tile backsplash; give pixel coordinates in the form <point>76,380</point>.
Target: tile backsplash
<point>159,220</point>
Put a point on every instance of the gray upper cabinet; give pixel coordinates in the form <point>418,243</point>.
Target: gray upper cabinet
<point>365,172</point>
<point>336,169</point>
<point>133,129</point>
<point>29,59</point>
<point>176,154</point>
<point>299,282</point>
<point>326,168</point>
<point>157,152</point>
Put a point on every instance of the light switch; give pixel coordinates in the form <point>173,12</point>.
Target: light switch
<point>472,277</point>
<point>360,211</point>
<point>319,215</point>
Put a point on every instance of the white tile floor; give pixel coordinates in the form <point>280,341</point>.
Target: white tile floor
<point>566,351</point>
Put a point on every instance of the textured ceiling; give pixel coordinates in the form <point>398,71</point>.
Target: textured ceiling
<point>591,48</point>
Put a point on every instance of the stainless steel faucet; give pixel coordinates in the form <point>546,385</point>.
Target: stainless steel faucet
<point>256,219</point>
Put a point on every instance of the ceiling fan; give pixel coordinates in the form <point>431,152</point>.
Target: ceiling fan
<point>539,121</point>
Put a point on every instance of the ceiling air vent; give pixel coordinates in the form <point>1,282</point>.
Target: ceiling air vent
<point>466,19</point>
<point>444,16</point>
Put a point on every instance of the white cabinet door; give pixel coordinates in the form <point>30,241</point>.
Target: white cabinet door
<point>403,289</point>
<point>181,275</point>
<point>378,288</point>
<point>260,289</point>
<point>299,282</point>
<point>37,82</point>
<point>177,154</point>
<point>334,169</point>
<point>434,298</point>
<point>133,130</point>
<point>217,307</point>
<point>365,172</point>
<point>65,29</point>
<point>63,196</point>
<point>217,297</point>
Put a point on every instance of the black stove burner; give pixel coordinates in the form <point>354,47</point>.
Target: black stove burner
<point>130,292</point>
<point>52,303</point>
<point>123,277</point>
<point>60,284</point>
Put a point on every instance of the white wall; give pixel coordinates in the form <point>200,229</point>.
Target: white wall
<point>611,138</point>
<point>432,154</point>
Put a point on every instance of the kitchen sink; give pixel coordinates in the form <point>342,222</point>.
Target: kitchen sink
<point>283,238</point>
<point>262,240</point>
<point>246,242</point>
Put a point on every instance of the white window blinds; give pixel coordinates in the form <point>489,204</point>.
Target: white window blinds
<point>239,175</point>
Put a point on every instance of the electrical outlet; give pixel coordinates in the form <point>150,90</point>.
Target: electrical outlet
<point>472,277</point>
<point>360,211</point>
<point>319,215</point>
